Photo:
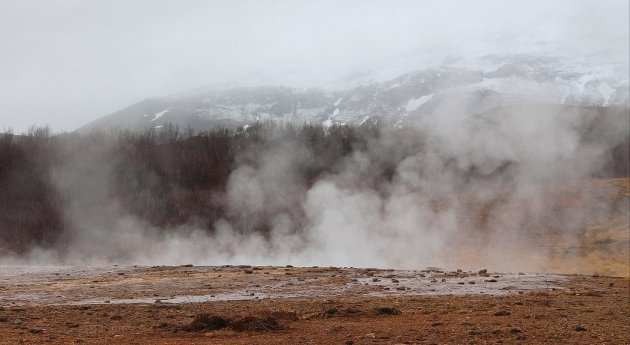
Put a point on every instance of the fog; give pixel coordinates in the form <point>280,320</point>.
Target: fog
<point>488,191</point>
<point>66,63</point>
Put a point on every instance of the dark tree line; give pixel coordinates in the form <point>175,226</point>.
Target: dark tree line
<point>170,177</point>
<point>166,177</point>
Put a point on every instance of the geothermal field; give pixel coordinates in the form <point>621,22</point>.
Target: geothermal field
<point>314,172</point>
<point>270,304</point>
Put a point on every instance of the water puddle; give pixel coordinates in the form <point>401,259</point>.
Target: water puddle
<point>186,284</point>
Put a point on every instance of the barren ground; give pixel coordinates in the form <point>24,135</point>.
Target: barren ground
<point>329,305</point>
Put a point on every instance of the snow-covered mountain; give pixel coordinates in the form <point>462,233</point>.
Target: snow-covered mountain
<point>471,86</point>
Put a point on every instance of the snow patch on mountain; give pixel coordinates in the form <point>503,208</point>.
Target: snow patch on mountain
<point>416,103</point>
<point>160,114</point>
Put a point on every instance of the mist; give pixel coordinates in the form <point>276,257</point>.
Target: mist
<point>66,63</point>
<point>462,192</point>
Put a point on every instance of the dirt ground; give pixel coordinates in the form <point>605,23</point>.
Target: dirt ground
<point>315,305</point>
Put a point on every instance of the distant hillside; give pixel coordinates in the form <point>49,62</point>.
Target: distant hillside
<point>490,82</point>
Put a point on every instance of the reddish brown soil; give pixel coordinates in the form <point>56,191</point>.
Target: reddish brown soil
<point>583,310</point>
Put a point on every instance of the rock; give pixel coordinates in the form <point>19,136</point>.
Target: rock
<point>483,271</point>
<point>375,280</point>
<point>330,312</point>
<point>248,271</point>
<point>471,282</point>
<point>387,311</point>
<point>490,280</point>
<point>580,328</point>
<point>395,281</point>
<point>36,330</point>
<point>205,322</point>
<point>502,313</point>
<point>436,324</point>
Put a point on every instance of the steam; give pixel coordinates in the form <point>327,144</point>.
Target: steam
<point>466,191</point>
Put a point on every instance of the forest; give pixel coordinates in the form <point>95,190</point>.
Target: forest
<point>170,177</point>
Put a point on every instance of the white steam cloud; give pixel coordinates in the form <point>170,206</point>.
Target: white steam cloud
<point>466,191</point>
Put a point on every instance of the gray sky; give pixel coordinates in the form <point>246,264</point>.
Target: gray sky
<point>65,63</point>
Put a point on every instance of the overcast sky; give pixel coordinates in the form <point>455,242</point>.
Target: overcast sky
<point>65,63</point>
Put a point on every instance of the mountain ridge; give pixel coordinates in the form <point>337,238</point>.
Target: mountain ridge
<point>495,81</point>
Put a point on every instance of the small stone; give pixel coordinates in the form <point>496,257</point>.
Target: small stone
<point>502,313</point>
<point>395,280</point>
<point>483,271</point>
<point>580,329</point>
<point>375,280</point>
<point>388,311</point>
<point>330,312</point>
<point>36,330</point>
<point>471,282</point>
